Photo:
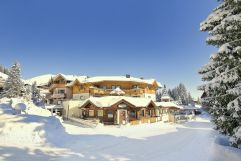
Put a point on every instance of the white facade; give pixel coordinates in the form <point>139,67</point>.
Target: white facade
<point>82,96</point>
<point>71,109</point>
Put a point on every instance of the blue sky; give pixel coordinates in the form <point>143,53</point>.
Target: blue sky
<point>145,38</point>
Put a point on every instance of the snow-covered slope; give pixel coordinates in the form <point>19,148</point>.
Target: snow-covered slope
<point>40,80</point>
<point>3,76</point>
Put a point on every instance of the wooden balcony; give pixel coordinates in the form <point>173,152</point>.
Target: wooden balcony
<point>99,91</point>
<point>53,86</point>
<point>58,95</point>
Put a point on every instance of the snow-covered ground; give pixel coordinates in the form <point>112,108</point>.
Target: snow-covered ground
<point>33,137</point>
<point>4,76</point>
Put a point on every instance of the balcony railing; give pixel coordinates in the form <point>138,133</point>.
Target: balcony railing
<point>138,91</point>
<point>58,95</point>
<point>53,86</point>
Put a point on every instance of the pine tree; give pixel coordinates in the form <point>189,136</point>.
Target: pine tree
<point>189,98</point>
<point>170,93</point>
<point>182,93</point>
<point>36,97</point>
<point>28,93</point>
<point>1,68</point>
<point>175,94</point>
<point>13,87</point>
<point>164,91</point>
<point>223,72</point>
<point>6,71</point>
<point>179,100</point>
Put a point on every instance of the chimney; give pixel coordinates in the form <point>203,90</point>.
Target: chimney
<point>128,75</point>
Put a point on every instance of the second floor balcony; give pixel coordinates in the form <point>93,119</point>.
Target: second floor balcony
<point>131,92</point>
<point>58,95</point>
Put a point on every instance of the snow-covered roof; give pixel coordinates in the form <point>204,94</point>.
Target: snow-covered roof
<point>108,101</point>
<point>165,97</point>
<point>40,80</point>
<point>71,77</point>
<point>119,78</point>
<point>117,91</point>
<point>189,107</point>
<point>166,104</point>
<point>4,76</point>
<point>72,83</point>
<point>44,79</point>
<point>151,81</point>
<point>53,107</point>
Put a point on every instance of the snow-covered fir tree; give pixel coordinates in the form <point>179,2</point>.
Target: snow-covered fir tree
<point>182,93</point>
<point>158,95</point>
<point>13,87</point>
<point>179,100</point>
<point>223,72</point>
<point>189,98</point>
<point>36,97</point>
<point>174,94</point>
<point>164,91</point>
<point>28,93</point>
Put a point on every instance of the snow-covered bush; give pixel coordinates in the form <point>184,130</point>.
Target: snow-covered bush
<point>19,108</point>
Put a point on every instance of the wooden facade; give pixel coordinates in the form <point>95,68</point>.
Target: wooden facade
<point>121,112</point>
<point>104,88</point>
<point>58,90</point>
<point>62,89</point>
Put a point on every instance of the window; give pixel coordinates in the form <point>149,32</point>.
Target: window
<point>91,113</point>
<point>59,102</point>
<point>110,114</point>
<point>100,113</point>
<point>61,91</point>
<point>104,87</point>
<point>133,114</point>
<point>114,87</point>
<point>142,113</point>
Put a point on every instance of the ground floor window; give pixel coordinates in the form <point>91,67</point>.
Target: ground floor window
<point>59,102</point>
<point>110,114</point>
<point>143,113</point>
<point>91,113</point>
<point>100,113</point>
<point>133,114</point>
